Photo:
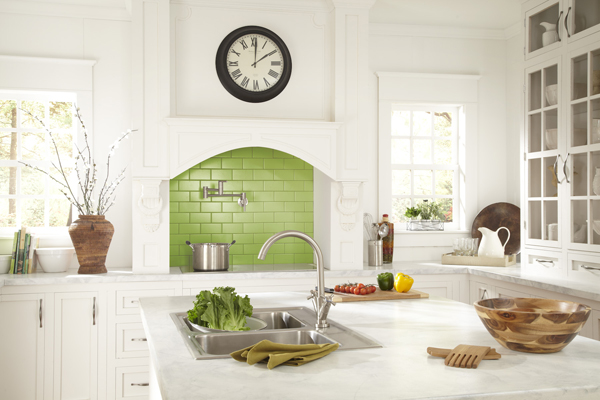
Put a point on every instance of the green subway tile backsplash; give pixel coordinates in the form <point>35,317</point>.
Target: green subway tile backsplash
<point>279,188</point>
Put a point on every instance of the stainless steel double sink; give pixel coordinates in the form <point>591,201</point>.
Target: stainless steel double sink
<point>284,325</point>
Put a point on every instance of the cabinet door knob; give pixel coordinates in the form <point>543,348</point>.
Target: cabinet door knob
<point>565,168</point>
<point>558,26</point>
<point>94,312</point>
<point>140,384</point>
<point>139,339</point>
<point>40,313</point>
<point>567,19</point>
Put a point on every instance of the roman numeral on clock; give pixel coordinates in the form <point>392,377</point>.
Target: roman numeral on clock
<point>267,84</point>
<point>236,74</point>
<point>275,63</point>
<point>255,84</point>
<point>235,52</point>
<point>273,74</point>
<point>232,63</point>
<point>254,42</point>
<point>245,82</point>
<point>244,45</point>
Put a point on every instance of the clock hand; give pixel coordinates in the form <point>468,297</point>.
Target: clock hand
<point>263,57</point>
<point>255,47</point>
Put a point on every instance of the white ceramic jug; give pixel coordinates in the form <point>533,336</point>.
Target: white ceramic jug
<point>490,243</point>
<point>551,35</point>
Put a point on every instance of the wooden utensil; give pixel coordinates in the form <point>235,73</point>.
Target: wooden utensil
<point>443,353</point>
<point>466,356</point>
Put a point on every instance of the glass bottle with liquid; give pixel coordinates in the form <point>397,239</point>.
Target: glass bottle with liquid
<point>388,241</point>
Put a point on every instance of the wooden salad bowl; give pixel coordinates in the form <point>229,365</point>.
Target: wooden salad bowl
<point>532,325</point>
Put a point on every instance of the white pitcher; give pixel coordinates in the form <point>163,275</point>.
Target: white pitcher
<point>490,243</point>
<point>551,35</point>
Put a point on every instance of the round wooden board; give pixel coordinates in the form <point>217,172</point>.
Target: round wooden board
<point>500,214</point>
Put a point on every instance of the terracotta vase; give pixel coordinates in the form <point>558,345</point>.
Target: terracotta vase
<point>91,236</point>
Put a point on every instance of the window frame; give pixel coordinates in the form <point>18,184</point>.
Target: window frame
<point>412,166</point>
<point>55,75</point>
<point>454,90</point>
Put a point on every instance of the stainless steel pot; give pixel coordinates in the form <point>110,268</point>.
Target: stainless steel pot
<point>210,256</point>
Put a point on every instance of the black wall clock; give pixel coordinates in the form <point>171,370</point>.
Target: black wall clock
<point>253,64</point>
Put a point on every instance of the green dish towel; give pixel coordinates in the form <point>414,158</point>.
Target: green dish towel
<point>275,354</point>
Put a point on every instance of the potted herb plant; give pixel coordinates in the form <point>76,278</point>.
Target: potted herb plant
<point>431,217</point>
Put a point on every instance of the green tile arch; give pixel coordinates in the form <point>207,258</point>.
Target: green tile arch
<point>279,187</point>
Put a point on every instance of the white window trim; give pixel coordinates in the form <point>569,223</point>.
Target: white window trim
<point>441,90</point>
<point>56,75</point>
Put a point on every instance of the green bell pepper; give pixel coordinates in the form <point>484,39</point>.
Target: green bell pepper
<point>385,281</point>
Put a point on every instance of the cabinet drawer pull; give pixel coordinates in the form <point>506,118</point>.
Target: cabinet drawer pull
<point>140,384</point>
<point>558,26</point>
<point>590,268</point>
<point>555,169</point>
<point>94,312</point>
<point>40,313</point>
<point>135,301</point>
<point>484,294</point>
<point>139,339</point>
<point>565,168</point>
<point>542,261</point>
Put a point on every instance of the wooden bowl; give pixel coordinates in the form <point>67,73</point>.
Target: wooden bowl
<point>532,325</point>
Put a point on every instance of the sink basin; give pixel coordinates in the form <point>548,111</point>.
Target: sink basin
<point>224,343</point>
<point>295,325</point>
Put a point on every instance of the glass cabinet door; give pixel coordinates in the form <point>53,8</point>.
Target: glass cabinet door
<point>582,169</point>
<point>582,18</point>
<point>544,28</point>
<point>543,143</point>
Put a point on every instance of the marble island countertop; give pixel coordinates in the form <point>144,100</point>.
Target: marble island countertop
<point>510,274</point>
<point>401,369</point>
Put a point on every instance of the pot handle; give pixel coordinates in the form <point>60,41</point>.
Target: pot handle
<point>231,244</point>
<point>189,244</point>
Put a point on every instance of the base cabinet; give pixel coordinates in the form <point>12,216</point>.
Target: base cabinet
<point>22,346</point>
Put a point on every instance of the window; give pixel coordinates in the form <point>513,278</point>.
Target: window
<point>424,162</point>
<point>28,197</point>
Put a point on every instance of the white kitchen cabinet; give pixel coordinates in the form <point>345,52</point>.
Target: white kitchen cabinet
<point>561,144</point>
<point>505,292</point>
<point>480,291</point>
<point>76,346</point>
<point>24,325</point>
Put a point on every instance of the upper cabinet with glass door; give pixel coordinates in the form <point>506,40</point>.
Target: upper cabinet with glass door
<point>582,19</point>
<point>583,147</point>
<point>543,28</point>
<point>544,140</point>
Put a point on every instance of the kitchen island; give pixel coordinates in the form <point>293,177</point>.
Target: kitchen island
<point>400,369</point>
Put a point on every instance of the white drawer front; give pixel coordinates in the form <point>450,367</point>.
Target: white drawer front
<point>584,268</point>
<point>133,383</point>
<point>128,301</point>
<point>131,340</point>
<point>545,263</point>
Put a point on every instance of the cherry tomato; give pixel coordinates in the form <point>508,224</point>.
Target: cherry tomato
<point>363,290</point>
<point>356,291</point>
<point>360,285</point>
<point>348,289</point>
<point>337,288</point>
<point>372,289</point>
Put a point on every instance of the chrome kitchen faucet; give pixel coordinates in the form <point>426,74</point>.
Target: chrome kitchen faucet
<point>242,201</point>
<point>321,302</point>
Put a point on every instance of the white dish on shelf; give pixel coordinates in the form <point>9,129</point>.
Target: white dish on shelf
<point>596,226</point>
<point>551,139</point>
<point>552,94</point>
<point>55,259</point>
<point>5,263</point>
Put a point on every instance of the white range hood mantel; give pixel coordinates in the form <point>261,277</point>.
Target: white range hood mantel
<point>193,140</point>
<point>169,62</point>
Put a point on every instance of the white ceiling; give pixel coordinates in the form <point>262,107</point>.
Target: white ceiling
<point>479,14</point>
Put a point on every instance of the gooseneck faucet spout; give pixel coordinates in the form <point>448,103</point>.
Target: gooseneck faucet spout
<point>321,302</point>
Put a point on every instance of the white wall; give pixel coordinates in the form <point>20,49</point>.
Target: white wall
<point>514,119</point>
<point>485,57</point>
<point>109,43</point>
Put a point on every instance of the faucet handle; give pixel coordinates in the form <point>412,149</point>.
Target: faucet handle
<point>313,295</point>
<point>329,299</point>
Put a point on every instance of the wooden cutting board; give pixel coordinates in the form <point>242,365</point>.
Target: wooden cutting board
<point>379,295</point>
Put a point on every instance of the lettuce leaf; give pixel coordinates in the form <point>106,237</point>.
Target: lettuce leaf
<point>222,309</point>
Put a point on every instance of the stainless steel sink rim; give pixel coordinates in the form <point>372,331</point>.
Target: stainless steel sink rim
<point>336,333</point>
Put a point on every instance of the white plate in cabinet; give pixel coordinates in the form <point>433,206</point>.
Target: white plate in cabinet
<point>133,383</point>
<point>544,263</point>
<point>128,301</point>
<point>131,340</point>
<point>584,268</point>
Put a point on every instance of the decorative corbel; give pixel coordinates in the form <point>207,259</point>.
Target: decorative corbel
<point>348,204</point>
<point>150,204</point>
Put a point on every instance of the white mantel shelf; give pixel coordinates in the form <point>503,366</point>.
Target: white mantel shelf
<point>510,275</point>
<point>401,369</point>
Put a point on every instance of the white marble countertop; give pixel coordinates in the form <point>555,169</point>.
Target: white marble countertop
<point>509,274</point>
<point>401,369</point>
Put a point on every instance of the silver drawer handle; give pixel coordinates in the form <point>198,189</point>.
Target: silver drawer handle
<point>588,268</point>
<point>541,261</point>
<point>140,384</point>
<point>139,339</point>
<point>484,294</point>
<point>134,301</point>
<point>40,313</point>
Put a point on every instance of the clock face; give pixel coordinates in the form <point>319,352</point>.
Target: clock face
<point>253,64</point>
